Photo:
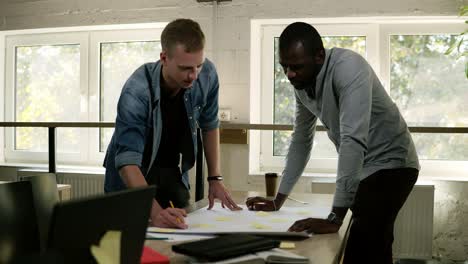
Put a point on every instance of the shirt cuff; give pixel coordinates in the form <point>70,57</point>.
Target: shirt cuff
<point>210,125</point>
<point>285,188</point>
<point>128,158</point>
<point>343,199</point>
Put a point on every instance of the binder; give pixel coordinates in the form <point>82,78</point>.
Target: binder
<point>223,247</point>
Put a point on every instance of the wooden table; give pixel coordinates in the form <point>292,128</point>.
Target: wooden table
<point>321,249</point>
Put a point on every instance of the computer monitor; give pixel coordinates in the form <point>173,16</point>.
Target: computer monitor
<point>19,234</point>
<point>45,196</point>
<point>78,224</point>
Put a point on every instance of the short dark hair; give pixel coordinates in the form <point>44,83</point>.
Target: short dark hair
<point>182,31</point>
<point>301,32</point>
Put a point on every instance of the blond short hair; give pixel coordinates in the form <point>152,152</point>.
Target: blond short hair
<point>182,31</point>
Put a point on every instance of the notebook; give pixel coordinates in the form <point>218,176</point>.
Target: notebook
<point>223,247</point>
<point>78,224</point>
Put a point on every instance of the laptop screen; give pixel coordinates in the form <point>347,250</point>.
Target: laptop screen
<point>78,224</point>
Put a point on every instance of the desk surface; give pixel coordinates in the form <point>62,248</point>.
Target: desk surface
<point>319,248</point>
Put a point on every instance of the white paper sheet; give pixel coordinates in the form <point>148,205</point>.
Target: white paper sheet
<point>221,219</point>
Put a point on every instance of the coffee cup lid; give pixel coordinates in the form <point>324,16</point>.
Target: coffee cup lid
<point>271,174</point>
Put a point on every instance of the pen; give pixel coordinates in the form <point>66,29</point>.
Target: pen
<point>172,205</point>
<point>293,199</point>
<point>156,238</point>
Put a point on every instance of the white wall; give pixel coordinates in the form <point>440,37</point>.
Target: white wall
<point>227,27</point>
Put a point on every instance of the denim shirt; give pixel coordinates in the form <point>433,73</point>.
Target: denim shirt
<point>361,120</point>
<point>138,112</point>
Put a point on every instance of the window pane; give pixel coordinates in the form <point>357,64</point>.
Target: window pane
<point>284,102</point>
<point>47,83</point>
<point>118,61</point>
<point>430,89</point>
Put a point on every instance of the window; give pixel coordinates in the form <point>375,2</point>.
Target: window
<point>114,73</point>
<point>47,81</point>
<point>428,86</point>
<point>71,75</point>
<point>430,89</point>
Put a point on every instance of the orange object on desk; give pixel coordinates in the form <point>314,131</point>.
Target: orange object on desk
<point>151,256</point>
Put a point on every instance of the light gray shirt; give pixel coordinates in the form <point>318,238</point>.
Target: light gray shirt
<point>361,120</point>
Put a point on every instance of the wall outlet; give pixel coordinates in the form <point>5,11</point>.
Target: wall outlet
<point>224,114</point>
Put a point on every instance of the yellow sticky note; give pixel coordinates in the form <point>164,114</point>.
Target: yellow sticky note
<point>303,212</point>
<point>108,251</point>
<point>261,213</point>
<point>260,226</point>
<point>287,245</point>
<point>223,219</point>
<point>159,230</point>
<point>201,226</point>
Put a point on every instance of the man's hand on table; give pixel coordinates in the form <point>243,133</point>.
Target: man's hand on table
<point>259,203</point>
<point>314,225</point>
<point>217,190</point>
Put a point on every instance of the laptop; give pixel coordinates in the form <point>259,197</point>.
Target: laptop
<point>78,224</point>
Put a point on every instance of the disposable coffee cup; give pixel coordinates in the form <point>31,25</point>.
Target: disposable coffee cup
<point>271,180</point>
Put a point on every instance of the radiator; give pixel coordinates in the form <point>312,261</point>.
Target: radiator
<point>82,185</point>
<point>414,225</point>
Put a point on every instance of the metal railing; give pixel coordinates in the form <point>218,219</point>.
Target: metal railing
<point>52,126</point>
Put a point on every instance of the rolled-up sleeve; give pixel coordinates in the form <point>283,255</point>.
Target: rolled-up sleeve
<point>209,116</point>
<point>300,147</point>
<point>354,86</point>
<point>131,125</point>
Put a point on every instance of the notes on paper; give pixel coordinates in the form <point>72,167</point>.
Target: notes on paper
<point>203,221</point>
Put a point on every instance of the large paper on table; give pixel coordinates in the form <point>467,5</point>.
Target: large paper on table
<point>223,221</point>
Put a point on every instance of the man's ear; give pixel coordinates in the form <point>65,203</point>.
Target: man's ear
<point>320,57</point>
<point>163,57</point>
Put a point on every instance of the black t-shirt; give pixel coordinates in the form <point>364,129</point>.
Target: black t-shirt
<point>175,137</point>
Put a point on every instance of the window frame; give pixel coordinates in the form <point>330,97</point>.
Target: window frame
<point>89,38</point>
<point>11,154</point>
<point>262,33</point>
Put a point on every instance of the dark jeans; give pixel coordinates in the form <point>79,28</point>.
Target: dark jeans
<point>169,187</point>
<point>378,200</point>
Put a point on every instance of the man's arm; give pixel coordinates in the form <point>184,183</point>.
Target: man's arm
<point>216,187</point>
<point>169,217</point>
<point>132,176</point>
<point>296,159</point>
<point>354,80</point>
<point>300,147</point>
<point>211,147</point>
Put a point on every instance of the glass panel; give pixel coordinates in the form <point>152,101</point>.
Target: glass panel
<point>284,102</point>
<point>46,89</point>
<point>430,89</point>
<point>118,61</point>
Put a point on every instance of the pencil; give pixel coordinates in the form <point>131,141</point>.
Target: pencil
<point>172,205</point>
